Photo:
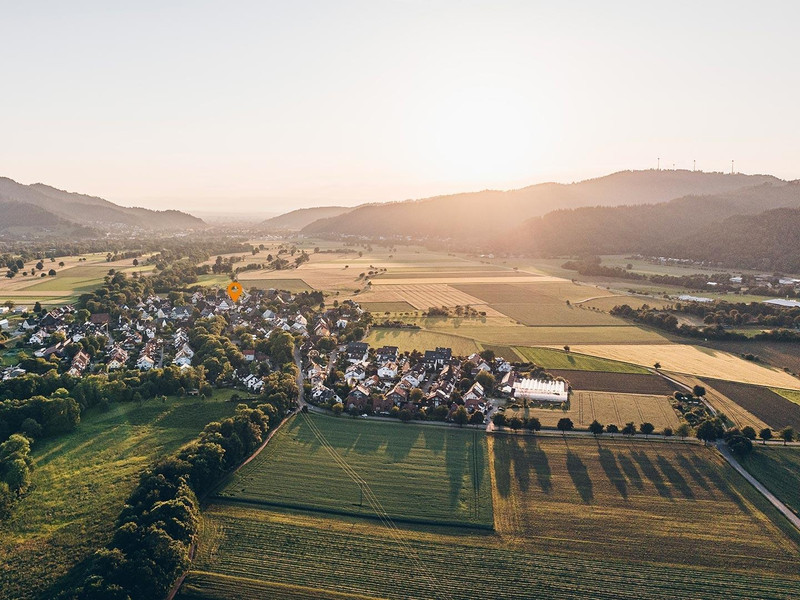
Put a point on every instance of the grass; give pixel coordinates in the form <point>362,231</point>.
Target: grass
<point>618,520</point>
<point>778,468</point>
<point>606,407</point>
<point>417,473</point>
<point>790,395</point>
<point>416,339</point>
<point>549,358</point>
<point>80,483</point>
<point>694,360</point>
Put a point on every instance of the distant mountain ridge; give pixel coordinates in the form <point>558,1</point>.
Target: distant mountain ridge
<point>85,211</point>
<point>300,218</point>
<point>478,215</point>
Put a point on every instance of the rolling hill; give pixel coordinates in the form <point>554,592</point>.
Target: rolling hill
<point>475,216</point>
<point>85,211</point>
<point>300,218</point>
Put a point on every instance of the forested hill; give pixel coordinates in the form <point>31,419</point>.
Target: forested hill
<point>478,215</point>
<point>297,219</point>
<point>86,210</point>
<point>741,229</point>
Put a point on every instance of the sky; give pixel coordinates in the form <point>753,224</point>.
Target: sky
<point>268,106</point>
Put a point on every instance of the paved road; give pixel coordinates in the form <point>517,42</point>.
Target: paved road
<point>784,510</point>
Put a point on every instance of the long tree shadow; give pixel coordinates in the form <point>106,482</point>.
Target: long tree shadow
<point>580,477</point>
<point>696,475</point>
<point>720,483</point>
<point>399,447</point>
<point>649,470</point>
<point>630,470</point>
<point>520,464</point>
<point>433,439</point>
<point>538,458</point>
<point>456,458</point>
<point>675,478</point>
<point>502,466</point>
<point>613,472</point>
<point>477,449</point>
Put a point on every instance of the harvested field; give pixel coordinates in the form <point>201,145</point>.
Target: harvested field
<point>625,499</point>
<point>606,303</point>
<point>694,360</point>
<point>607,407</point>
<point>463,280</point>
<point>773,409</point>
<point>549,358</point>
<point>288,284</point>
<point>628,383</point>
<point>382,307</point>
<point>408,340</point>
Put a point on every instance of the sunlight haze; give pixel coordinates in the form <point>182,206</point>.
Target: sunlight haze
<point>269,106</point>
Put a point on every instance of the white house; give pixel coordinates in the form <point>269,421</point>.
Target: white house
<point>4,324</point>
<point>388,370</point>
<point>541,390</point>
<point>145,363</point>
<point>355,372</point>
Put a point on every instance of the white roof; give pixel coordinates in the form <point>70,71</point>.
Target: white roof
<point>687,298</point>
<point>541,386</point>
<point>783,302</point>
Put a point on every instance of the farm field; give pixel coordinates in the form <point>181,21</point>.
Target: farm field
<point>288,284</point>
<point>558,494</point>
<point>80,482</point>
<point>630,383</point>
<point>606,303</point>
<point>790,395</point>
<point>694,360</point>
<point>771,408</point>
<point>722,403</point>
<point>408,340</point>
<point>576,521</point>
<point>558,359</point>
<point>429,474</point>
<point>378,308</point>
<point>606,407</point>
<point>777,354</point>
<point>778,468</point>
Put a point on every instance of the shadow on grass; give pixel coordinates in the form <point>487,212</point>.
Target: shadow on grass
<point>718,482</point>
<point>613,472</point>
<point>502,466</point>
<point>541,465</point>
<point>675,478</point>
<point>400,442</point>
<point>519,461</point>
<point>693,472</point>
<point>434,440</point>
<point>580,477</point>
<point>649,470</point>
<point>630,470</point>
<point>455,457</point>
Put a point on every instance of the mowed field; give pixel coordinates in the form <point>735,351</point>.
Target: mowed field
<point>436,474</point>
<point>549,358</point>
<point>634,500</point>
<point>771,408</point>
<point>608,520</point>
<point>778,468</point>
<point>80,482</point>
<point>694,360</point>
<point>607,407</point>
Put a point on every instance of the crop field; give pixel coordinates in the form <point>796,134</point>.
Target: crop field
<point>549,358</point>
<point>606,303</point>
<point>722,403</point>
<point>378,308</point>
<point>606,407</point>
<point>777,354</point>
<point>693,360</point>
<point>790,395</point>
<point>437,474</point>
<point>778,468</point>
<point>613,520</point>
<point>629,383</point>
<point>80,483</point>
<point>289,284</point>
<point>773,409</point>
<point>408,340</point>
<point>625,499</point>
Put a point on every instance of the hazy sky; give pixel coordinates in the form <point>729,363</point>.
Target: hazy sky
<point>271,105</point>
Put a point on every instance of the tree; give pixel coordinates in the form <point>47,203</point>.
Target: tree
<point>533,424</point>
<point>657,366</point>
<point>476,418</point>
<point>667,432</point>
<point>405,415</point>
<point>566,349</point>
<point>683,430</point>
<point>707,431</point>
<point>612,429</point>
<point>515,423</point>
<point>52,272</point>
<point>646,428</point>
<point>337,408</point>
<point>486,380</point>
<point>740,445</point>
<point>564,425</point>
<point>460,416</point>
<point>749,432</point>
<point>629,428</point>
<point>699,391</point>
<point>787,434</point>
<point>765,434</point>
<point>499,419</point>
<point>596,428</point>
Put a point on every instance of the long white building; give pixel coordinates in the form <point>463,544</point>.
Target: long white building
<point>541,389</point>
